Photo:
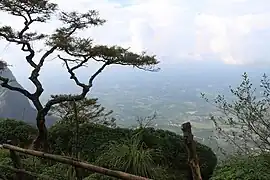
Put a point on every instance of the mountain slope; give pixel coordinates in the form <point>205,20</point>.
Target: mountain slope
<point>14,105</point>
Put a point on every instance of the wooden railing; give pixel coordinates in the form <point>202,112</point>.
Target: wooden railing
<point>20,172</point>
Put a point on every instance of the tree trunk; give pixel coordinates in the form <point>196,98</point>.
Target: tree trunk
<point>41,142</point>
<point>193,160</point>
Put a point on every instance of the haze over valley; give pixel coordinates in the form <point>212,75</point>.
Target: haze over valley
<point>174,92</point>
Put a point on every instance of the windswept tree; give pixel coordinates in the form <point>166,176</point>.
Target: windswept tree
<point>74,51</point>
<point>88,110</point>
<point>244,121</point>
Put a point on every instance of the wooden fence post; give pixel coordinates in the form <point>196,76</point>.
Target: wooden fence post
<point>16,162</point>
<point>193,160</point>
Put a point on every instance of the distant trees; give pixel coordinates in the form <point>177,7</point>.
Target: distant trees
<point>73,51</point>
<point>88,110</point>
<point>244,122</point>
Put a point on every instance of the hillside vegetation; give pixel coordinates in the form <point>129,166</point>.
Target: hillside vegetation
<point>127,150</point>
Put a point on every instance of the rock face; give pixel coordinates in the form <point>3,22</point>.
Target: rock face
<point>14,105</point>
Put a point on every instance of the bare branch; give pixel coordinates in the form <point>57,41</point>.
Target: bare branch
<point>63,98</point>
<point>97,73</point>
<point>85,89</point>
<point>71,71</point>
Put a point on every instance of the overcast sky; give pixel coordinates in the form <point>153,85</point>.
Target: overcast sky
<point>230,31</point>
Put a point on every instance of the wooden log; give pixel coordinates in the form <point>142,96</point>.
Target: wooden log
<point>190,144</point>
<point>84,165</point>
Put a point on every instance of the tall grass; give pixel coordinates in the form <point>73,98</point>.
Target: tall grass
<point>131,156</point>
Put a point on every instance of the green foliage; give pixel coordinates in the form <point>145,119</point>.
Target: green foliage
<point>19,132</point>
<point>131,156</point>
<point>4,153</point>
<point>244,121</point>
<point>59,171</point>
<point>19,8</point>
<point>5,160</point>
<point>93,139</point>
<point>33,164</point>
<point>145,151</point>
<point>170,150</point>
<point>244,168</point>
<point>88,110</point>
<point>96,176</point>
<point>167,148</point>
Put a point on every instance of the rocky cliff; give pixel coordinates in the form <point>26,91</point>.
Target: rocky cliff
<point>15,105</point>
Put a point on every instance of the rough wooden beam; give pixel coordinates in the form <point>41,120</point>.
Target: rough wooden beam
<point>93,168</point>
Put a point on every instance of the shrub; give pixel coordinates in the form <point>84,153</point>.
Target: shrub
<point>132,157</point>
<point>244,168</point>
<point>19,132</point>
<point>58,171</point>
<point>168,148</point>
<point>5,161</point>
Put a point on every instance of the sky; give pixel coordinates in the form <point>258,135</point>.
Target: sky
<point>228,31</point>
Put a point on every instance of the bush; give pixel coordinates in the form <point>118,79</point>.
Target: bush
<point>132,157</point>
<point>19,132</point>
<point>5,160</point>
<point>93,139</point>
<point>244,168</point>
<point>58,171</point>
<point>168,148</point>
<point>171,151</point>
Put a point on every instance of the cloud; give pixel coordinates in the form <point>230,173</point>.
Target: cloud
<point>232,31</point>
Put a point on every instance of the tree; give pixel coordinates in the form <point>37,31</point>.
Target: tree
<point>75,52</point>
<point>88,110</point>
<point>244,122</point>
<point>77,113</point>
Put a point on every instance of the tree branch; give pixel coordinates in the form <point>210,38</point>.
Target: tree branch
<point>85,88</point>
<point>35,72</point>
<point>71,71</point>
<point>91,79</point>
<point>5,84</point>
